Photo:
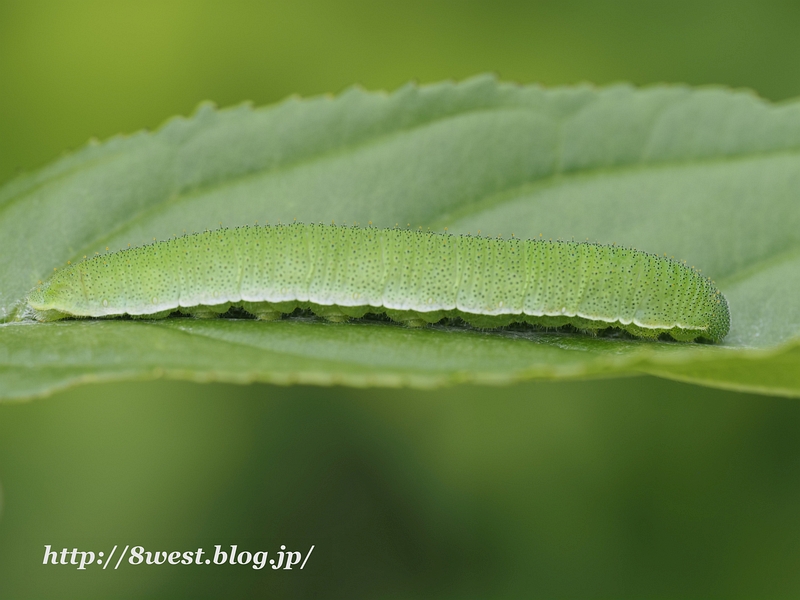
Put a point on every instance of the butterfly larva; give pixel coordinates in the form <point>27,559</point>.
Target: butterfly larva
<point>414,277</point>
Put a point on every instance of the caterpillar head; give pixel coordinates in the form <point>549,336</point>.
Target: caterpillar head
<point>45,300</point>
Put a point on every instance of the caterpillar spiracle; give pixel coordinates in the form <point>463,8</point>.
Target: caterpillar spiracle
<point>414,277</point>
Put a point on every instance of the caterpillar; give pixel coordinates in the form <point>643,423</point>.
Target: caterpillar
<point>414,277</point>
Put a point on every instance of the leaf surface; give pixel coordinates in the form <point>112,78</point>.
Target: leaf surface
<point>710,176</point>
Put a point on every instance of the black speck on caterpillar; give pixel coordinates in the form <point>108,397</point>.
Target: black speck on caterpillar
<point>413,276</point>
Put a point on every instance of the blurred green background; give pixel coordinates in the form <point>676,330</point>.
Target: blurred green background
<point>624,488</point>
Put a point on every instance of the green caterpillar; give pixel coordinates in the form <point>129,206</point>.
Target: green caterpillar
<point>414,277</point>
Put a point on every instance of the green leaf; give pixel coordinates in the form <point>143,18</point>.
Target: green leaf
<point>711,176</point>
